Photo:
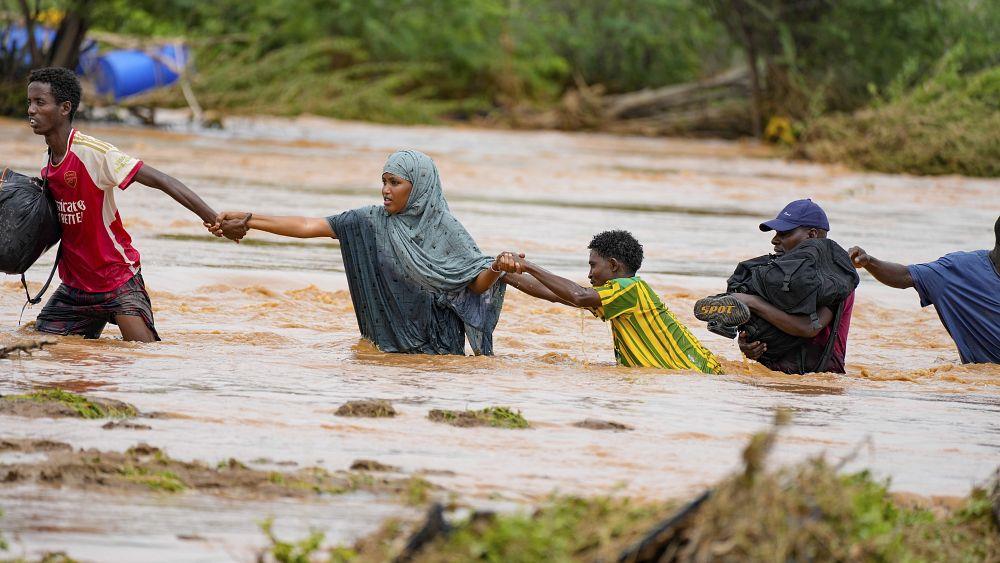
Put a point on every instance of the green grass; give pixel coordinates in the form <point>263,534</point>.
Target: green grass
<point>162,481</point>
<point>3,541</point>
<point>231,463</point>
<point>301,551</point>
<point>565,528</point>
<point>82,405</point>
<point>417,490</point>
<point>498,417</point>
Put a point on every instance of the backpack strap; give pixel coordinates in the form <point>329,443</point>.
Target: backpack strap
<point>786,281</point>
<point>834,330</point>
<point>38,297</point>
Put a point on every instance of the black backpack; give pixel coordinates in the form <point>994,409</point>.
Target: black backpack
<point>29,225</point>
<point>816,273</point>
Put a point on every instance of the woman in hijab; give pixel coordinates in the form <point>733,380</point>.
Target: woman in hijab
<point>417,279</point>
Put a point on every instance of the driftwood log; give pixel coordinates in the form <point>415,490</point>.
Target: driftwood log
<point>734,83</point>
<point>718,106</point>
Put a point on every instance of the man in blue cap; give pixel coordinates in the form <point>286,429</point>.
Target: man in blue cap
<point>964,287</point>
<point>799,221</point>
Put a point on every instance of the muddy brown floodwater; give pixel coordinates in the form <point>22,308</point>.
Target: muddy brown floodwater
<point>261,345</point>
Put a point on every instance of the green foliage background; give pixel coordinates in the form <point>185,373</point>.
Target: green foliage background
<point>418,61</point>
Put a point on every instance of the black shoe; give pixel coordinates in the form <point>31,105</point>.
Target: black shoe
<point>723,313</point>
<point>722,330</point>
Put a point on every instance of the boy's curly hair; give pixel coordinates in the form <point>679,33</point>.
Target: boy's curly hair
<point>64,84</point>
<point>621,246</point>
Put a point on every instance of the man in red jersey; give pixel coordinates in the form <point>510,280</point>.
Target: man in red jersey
<point>99,267</point>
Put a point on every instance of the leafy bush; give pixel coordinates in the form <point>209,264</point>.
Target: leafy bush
<point>950,124</point>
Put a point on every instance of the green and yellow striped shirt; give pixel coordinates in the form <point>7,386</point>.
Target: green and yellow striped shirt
<point>646,333</point>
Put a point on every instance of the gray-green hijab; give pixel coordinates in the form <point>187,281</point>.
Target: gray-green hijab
<point>433,248</point>
<point>409,272</point>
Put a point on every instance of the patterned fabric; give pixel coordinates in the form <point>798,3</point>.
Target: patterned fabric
<point>646,333</point>
<point>431,246</point>
<point>397,313</point>
<point>409,272</point>
<point>74,311</point>
<point>97,252</point>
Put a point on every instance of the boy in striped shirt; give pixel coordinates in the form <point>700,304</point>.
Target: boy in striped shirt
<point>645,332</point>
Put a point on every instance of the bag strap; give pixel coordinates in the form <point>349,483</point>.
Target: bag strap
<point>38,297</point>
<point>834,330</point>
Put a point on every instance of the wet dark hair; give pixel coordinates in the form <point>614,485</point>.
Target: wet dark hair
<point>621,246</point>
<point>64,84</point>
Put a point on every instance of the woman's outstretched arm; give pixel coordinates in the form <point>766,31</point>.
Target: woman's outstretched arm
<point>232,222</point>
<point>484,281</point>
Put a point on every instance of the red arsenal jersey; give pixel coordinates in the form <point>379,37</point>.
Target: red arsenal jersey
<point>97,253</point>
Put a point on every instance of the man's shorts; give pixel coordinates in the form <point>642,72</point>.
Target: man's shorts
<point>74,311</point>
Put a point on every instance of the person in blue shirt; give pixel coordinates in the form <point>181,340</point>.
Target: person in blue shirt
<point>964,287</point>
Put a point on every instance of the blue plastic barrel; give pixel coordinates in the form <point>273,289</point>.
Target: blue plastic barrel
<point>127,73</point>
<point>15,39</point>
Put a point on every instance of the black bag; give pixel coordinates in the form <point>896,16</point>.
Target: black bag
<point>816,273</point>
<point>29,225</point>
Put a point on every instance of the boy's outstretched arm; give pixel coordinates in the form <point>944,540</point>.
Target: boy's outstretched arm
<point>532,287</point>
<point>149,176</point>
<point>565,290</point>
<point>231,222</point>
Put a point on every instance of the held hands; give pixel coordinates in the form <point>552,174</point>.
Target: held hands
<point>859,257</point>
<point>233,225</point>
<point>510,262</point>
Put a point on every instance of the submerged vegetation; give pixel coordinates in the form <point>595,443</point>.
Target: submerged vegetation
<point>165,481</point>
<point>498,417</point>
<point>58,402</point>
<point>147,468</point>
<point>810,511</point>
<point>367,408</point>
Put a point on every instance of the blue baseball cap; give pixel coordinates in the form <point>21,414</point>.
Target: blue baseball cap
<point>799,213</point>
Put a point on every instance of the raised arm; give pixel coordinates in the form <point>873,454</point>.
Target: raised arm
<point>149,176</point>
<point>889,273</point>
<point>231,222</point>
